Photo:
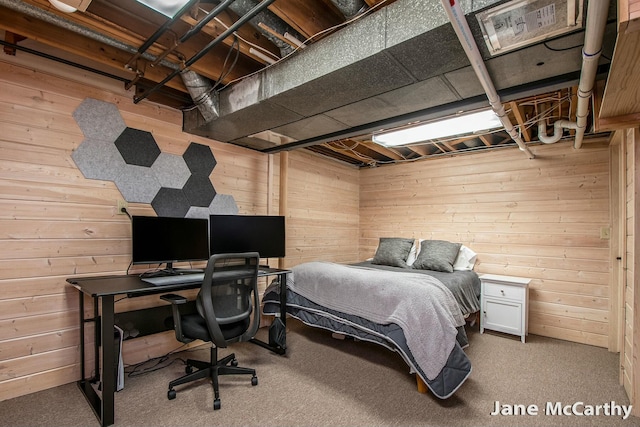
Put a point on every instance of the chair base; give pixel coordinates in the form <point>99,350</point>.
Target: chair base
<point>212,369</point>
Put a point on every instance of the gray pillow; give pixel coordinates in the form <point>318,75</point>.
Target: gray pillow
<point>393,251</point>
<point>437,255</point>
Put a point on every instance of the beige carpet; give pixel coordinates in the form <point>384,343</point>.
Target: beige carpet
<point>327,382</point>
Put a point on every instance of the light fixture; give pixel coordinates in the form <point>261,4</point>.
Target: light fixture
<point>63,7</point>
<point>166,7</point>
<point>459,125</point>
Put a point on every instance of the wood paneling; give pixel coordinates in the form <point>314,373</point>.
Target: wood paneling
<point>54,223</point>
<point>537,218</point>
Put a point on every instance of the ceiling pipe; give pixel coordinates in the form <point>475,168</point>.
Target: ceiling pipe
<point>269,19</point>
<point>597,12</point>
<point>558,127</point>
<point>461,27</point>
<point>160,31</point>
<point>199,26</point>
<point>52,18</point>
<point>207,48</point>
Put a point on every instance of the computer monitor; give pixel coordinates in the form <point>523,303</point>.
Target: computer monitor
<point>166,240</point>
<point>264,234</point>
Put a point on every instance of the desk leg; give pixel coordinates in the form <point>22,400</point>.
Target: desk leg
<point>283,316</point>
<point>103,403</point>
<point>108,360</point>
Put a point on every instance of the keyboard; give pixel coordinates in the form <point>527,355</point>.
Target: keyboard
<point>174,279</point>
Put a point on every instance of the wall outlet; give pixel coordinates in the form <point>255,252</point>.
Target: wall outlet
<point>605,233</point>
<point>122,204</point>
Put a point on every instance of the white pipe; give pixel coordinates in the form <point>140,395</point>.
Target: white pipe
<point>597,12</point>
<point>456,16</point>
<point>557,130</point>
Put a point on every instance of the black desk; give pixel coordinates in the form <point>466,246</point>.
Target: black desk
<point>103,289</point>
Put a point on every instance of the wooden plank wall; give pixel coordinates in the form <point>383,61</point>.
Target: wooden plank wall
<point>630,348</point>
<point>323,210</point>
<point>539,218</point>
<point>54,223</point>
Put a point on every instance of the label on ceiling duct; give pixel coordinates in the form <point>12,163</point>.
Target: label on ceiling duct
<point>523,22</point>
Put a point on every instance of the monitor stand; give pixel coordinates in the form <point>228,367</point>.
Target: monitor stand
<point>171,271</point>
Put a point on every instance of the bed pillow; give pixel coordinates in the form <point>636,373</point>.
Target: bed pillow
<point>465,260</point>
<point>393,251</point>
<point>437,255</point>
<point>413,253</point>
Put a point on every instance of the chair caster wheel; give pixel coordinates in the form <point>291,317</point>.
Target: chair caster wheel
<point>171,394</point>
<point>234,362</point>
<point>216,404</point>
<point>254,380</point>
<point>188,369</point>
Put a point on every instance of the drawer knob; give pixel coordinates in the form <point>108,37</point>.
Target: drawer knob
<point>502,291</point>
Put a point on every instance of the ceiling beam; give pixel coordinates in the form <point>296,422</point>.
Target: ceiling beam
<point>307,17</point>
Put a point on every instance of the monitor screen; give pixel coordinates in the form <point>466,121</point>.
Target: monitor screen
<point>264,234</point>
<point>158,240</point>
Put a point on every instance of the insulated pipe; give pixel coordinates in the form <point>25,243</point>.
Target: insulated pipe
<point>202,94</point>
<point>597,12</point>
<point>459,23</point>
<point>557,130</point>
<point>350,8</point>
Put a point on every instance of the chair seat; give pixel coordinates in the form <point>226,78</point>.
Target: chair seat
<point>195,326</point>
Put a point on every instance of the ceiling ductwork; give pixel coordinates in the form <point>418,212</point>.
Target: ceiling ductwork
<point>386,69</point>
<point>268,24</point>
<point>350,8</point>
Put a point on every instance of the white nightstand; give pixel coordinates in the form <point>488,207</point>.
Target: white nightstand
<point>505,304</point>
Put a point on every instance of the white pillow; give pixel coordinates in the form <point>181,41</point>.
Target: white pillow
<point>413,253</point>
<point>465,260</point>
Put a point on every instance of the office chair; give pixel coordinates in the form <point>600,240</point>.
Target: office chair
<point>228,312</point>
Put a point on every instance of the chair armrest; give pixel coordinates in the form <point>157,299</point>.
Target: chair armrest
<point>174,298</point>
<point>176,301</point>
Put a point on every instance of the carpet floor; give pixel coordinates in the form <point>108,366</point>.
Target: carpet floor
<point>323,381</point>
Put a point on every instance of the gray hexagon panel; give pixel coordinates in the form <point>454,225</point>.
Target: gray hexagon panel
<point>98,159</point>
<point>175,186</point>
<point>137,184</point>
<point>99,120</point>
<point>171,170</point>
<point>222,204</point>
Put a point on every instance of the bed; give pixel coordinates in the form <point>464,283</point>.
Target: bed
<point>394,301</point>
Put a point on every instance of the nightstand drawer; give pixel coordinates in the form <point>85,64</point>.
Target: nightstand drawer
<point>500,290</point>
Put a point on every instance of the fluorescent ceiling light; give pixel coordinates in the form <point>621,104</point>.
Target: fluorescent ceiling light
<point>453,126</point>
<point>166,7</point>
<point>63,7</point>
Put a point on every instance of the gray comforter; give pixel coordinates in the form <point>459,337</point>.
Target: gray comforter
<point>416,303</point>
<point>412,314</point>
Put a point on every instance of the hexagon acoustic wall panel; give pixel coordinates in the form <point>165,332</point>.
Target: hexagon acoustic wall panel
<point>176,186</point>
